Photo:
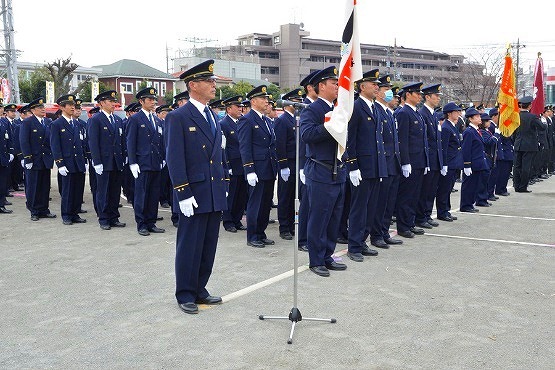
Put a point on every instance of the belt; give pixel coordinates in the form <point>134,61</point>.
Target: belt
<point>327,165</point>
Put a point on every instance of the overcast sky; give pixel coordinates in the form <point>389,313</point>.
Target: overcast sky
<point>102,32</point>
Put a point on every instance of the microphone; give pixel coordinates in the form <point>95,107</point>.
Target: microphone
<point>286,103</point>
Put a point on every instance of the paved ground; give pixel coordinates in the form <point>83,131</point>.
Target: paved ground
<point>476,293</point>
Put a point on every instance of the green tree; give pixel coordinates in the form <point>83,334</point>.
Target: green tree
<point>242,88</point>
<point>168,97</point>
<point>85,93</point>
<point>34,86</point>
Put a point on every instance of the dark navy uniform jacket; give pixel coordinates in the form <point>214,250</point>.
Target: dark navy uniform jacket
<point>526,136</point>
<point>105,141</point>
<point>34,139</point>
<point>474,156</point>
<point>320,145</point>
<point>413,143</point>
<point>195,159</point>
<point>145,142</point>
<point>365,148</point>
<point>285,139</point>
<point>257,146</point>
<point>390,140</point>
<point>435,149</point>
<point>233,154</point>
<point>83,127</point>
<point>6,142</point>
<point>452,146</point>
<point>67,145</point>
<point>16,126</point>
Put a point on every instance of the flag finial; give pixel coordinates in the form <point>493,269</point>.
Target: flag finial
<point>539,54</point>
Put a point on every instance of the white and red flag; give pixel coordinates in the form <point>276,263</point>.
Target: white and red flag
<point>539,98</point>
<point>350,70</point>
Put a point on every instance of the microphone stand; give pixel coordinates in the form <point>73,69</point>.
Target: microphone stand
<point>295,315</point>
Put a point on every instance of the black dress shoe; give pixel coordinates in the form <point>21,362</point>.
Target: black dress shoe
<point>302,248</point>
<point>424,225</point>
<point>320,271</point>
<point>379,244</point>
<point>336,266</point>
<point>144,232</point>
<point>67,222</point>
<point>157,230</point>
<point>454,217</point>
<point>454,190</point>
<point>165,205</point>
<point>79,220</point>
<point>342,240</point>
<point>231,229</point>
<point>209,300</point>
<point>159,218</point>
<point>189,307</point>
<point>483,204</point>
<point>272,221</point>
<point>241,227</point>
<point>6,203</point>
<point>4,210</point>
<point>406,234</point>
<point>523,191</point>
<point>433,223</point>
<point>34,218</point>
<point>120,205</point>
<point>417,231</point>
<point>357,257</point>
<point>367,251</point>
<point>105,227</point>
<point>256,244</point>
<point>175,224</point>
<point>470,210</point>
<point>117,224</point>
<point>393,241</point>
<point>82,211</point>
<point>286,235</point>
<point>446,218</point>
<point>48,215</point>
<point>505,194</point>
<point>493,198</point>
<point>268,242</point>
<point>9,195</point>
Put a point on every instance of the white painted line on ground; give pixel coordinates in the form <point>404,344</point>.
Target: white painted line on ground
<point>511,216</point>
<point>490,240</point>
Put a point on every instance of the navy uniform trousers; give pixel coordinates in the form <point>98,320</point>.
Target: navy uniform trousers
<point>503,174</point>
<point>385,207</point>
<point>236,201</point>
<point>364,198</point>
<point>147,195</point>
<point>258,209</point>
<point>303,215</point>
<point>469,189</point>
<point>286,200</point>
<point>107,196</point>
<point>443,198</point>
<point>407,198</point>
<point>72,195</point>
<point>37,191</point>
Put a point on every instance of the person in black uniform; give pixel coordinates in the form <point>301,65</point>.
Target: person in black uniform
<point>6,158</point>
<point>238,187</point>
<point>324,174</point>
<point>16,174</point>
<point>525,145</point>
<point>34,138</point>
<point>128,181</point>
<point>145,150</point>
<point>257,143</point>
<point>195,161</point>
<point>67,142</point>
<point>83,128</point>
<point>105,133</point>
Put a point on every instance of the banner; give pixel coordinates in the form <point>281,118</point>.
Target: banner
<point>94,90</point>
<point>50,92</point>
<point>350,70</point>
<point>6,91</point>
<point>509,117</point>
<point>539,98</point>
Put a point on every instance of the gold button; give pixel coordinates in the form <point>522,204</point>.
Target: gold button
<point>210,161</point>
<point>212,178</point>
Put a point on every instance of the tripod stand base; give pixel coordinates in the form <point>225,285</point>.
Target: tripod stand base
<point>294,316</point>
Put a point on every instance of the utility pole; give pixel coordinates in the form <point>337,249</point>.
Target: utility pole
<point>395,76</point>
<point>9,52</point>
<point>518,47</point>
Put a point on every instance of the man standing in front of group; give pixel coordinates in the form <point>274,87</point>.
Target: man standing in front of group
<point>34,138</point>
<point>145,149</point>
<point>66,140</point>
<point>195,162</point>
<point>105,143</point>
<point>325,176</point>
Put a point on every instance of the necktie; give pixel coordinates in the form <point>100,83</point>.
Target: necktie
<point>71,123</point>
<point>112,121</point>
<point>152,121</point>
<point>210,120</point>
<point>42,122</point>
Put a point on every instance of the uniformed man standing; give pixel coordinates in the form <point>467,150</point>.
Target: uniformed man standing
<point>413,147</point>
<point>34,138</point>
<point>145,150</point>
<point>367,165</point>
<point>526,145</point>
<point>166,188</point>
<point>128,181</point>
<point>286,147</point>
<point>6,158</point>
<point>12,123</point>
<point>432,97</point>
<point>257,143</point>
<point>238,187</point>
<point>195,156</point>
<point>325,176</point>
<point>82,125</point>
<point>67,142</point>
<point>105,134</point>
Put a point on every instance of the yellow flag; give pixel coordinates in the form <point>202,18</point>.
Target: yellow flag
<point>509,117</point>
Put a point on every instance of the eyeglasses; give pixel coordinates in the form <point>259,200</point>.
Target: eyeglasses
<point>210,80</point>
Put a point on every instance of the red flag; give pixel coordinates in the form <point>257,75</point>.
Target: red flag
<point>350,70</point>
<point>539,99</point>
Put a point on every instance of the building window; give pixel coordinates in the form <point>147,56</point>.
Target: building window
<point>267,55</point>
<point>269,70</point>
<point>137,84</point>
<point>162,88</point>
<point>316,58</point>
<point>233,73</point>
<point>157,86</point>
<point>125,88</point>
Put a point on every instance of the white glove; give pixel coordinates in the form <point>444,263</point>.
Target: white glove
<point>11,158</point>
<point>468,171</point>
<point>285,173</point>
<point>23,163</point>
<point>230,172</point>
<point>63,171</point>
<point>28,166</point>
<point>186,206</point>
<point>497,131</point>
<point>407,169</point>
<point>126,160</point>
<point>252,179</point>
<point>302,177</point>
<point>224,141</point>
<point>135,170</point>
<point>86,167</point>
<point>163,163</point>
<point>355,177</point>
<point>443,171</point>
<point>99,168</point>
<point>426,170</point>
